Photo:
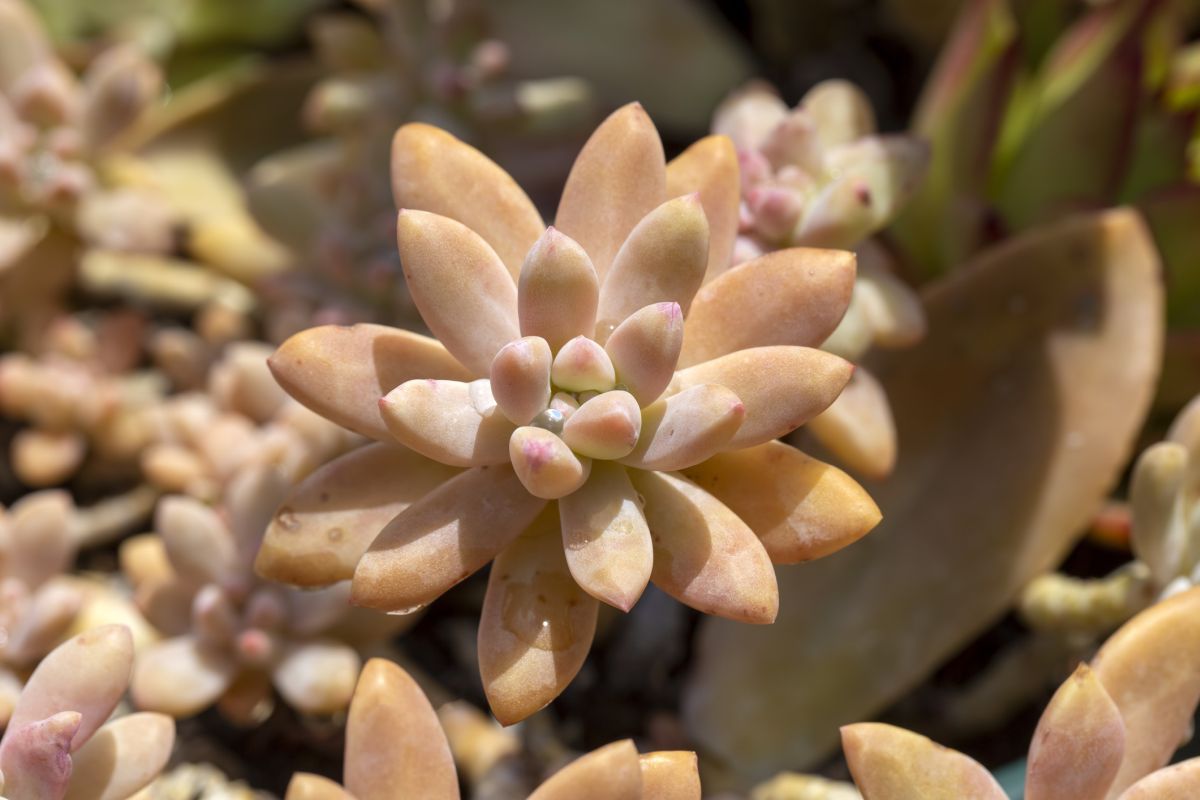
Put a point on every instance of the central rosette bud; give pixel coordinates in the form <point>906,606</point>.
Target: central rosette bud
<point>574,386</point>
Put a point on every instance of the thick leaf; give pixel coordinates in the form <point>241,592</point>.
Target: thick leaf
<point>1054,341</point>
<point>670,775</point>
<point>341,372</point>
<point>394,744</point>
<point>710,167</point>
<point>890,763</point>
<point>537,625</point>
<point>1148,668</point>
<point>434,171</point>
<point>122,758</point>
<point>610,773</point>
<point>1177,782</point>
<point>328,521</point>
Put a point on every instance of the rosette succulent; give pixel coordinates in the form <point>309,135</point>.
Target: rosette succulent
<point>395,747</point>
<point>60,742</point>
<point>820,175</point>
<point>1108,732</point>
<point>231,636</point>
<point>594,416</point>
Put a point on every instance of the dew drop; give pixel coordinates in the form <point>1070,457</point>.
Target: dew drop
<point>287,519</point>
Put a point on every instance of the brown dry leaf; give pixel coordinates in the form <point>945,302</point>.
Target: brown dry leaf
<point>1015,414</point>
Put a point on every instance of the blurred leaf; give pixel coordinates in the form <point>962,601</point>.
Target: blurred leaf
<point>1016,413</point>
<point>959,114</point>
<point>1066,141</point>
<point>672,55</point>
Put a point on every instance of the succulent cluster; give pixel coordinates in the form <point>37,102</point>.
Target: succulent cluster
<point>395,747</point>
<point>1109,730</point>
<point>60,742</point>
<point>604,420</point>
<point>820,175</point>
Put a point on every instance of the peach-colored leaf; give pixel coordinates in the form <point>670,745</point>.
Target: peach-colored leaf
<point>645,349</point>
<point>606,538</point>
<point>41,536</point>
<point>663,260</point>
<point>87,673</point>
<point>461,287</point>
<point>890,763</point>
<point>558,290</point>
<point>327,522</point>
<point>618,178</point>
<point>1077,747</point>
<point>704,556</point>
<point>394,744</point>
<point>123,757</point>
<point>1177,782</point>
<point>710,167</point>
<point>607,426</point>
<point>536,627</point>
<point>443,538</point>
<point>800,508</point>
<point>198,542</point>
<point>451,422</point>
<point>341,372</point>
<point>1054,339</point>
<point>782,387</point>
<point>1148,668</point>
<point>180,677</point>
<point>317,677</point>
<point>686,428</point>
<point>434,171</point>
<point>610,773</point>
<point>670,775</point>
<point>307,786</point>
<point>35,759</point>
<point>545,464</point>
<point>858,428</point>
<point>520,378</point>
<point>794,297</point>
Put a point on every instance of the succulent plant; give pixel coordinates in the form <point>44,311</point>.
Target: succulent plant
<point>395,747</point>
<point>329,200</point>
<point>232,636</point>
<point>60,742</point>
<point>820,175</point>
<point>569,423</point>
<point>201,441</point>
<point>41,604</point>
<point>1164,523</point>
<point>78,358</point>
<point>1108,732</point>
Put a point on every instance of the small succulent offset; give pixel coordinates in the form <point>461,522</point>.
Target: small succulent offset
<point>233,636</point>
<point>59,744</point>
<point>570,423</point>
<point>1108,732</point>
<point>1164,511</point>
<point>820,175</point>
<point>395,747</point>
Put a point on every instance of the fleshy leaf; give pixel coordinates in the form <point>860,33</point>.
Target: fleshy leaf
<point>180,677</point>
<point>123,757</point>
<point>558,290</point>
<point>645,349</point>
<point>545,464</point>
<point>443,538</point>
<point>670,775</point>
<point>606,538</point>
<point>434,171</point>
<point>394,744</point>
<point>1147,669</point>
<point>1177,782</point>
<point>87,673</point>
<point>800,508</point>
<point>317,677</point>
<point>663,260</point>
<point>782,387</point>
<point>451,422</point>
<point>1078,744</point>
<point>341,372</point>
<point>610,773</point>
<point>792,297</point>
<point>890,763</point>
<point>307,786</point>
<point>710,168</point>
<point>686,428</point>
<point>618,178</point>
<point>327,522</point>
<point>704,556</point>
<point>858,428</point>
<point>454,275</point>
<point>536,627</point>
